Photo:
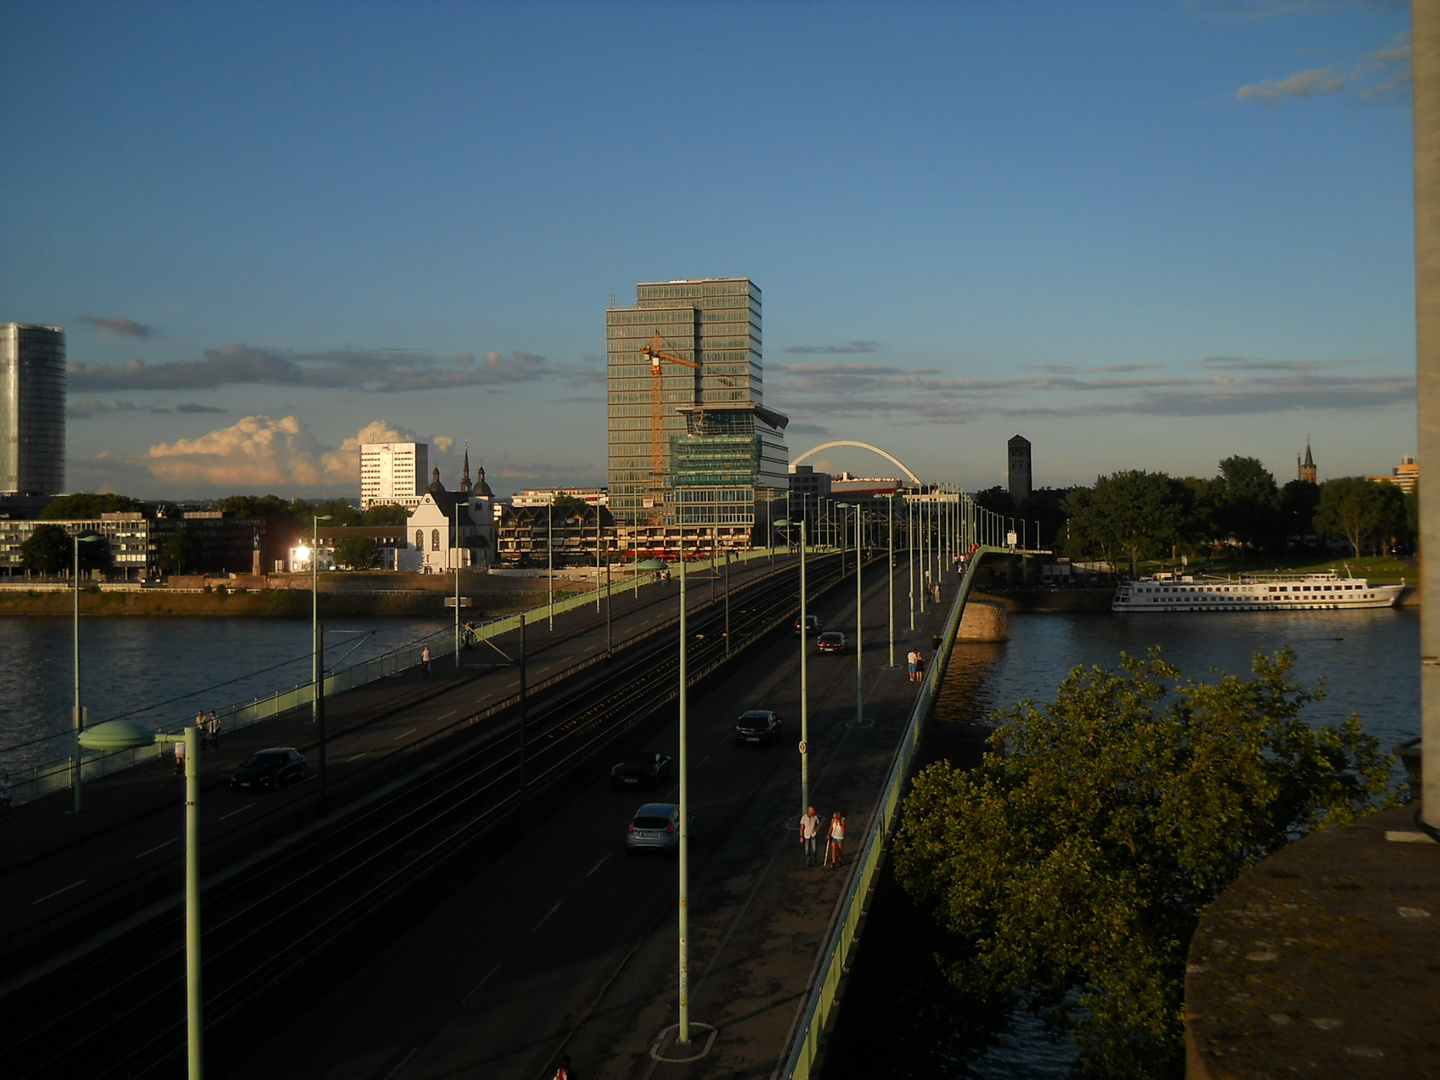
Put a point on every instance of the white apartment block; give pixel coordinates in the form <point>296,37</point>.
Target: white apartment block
<point>393,472</point>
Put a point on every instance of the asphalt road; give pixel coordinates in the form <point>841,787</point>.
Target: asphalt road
<point>564,941</point>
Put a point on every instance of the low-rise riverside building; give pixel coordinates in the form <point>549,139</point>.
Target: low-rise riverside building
<point>137,539</point>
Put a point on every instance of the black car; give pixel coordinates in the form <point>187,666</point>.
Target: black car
<point>637,770</point>
<point>813,625</point>
<point>831,641</point>
<point>269,770</point>
<point>758,726</point>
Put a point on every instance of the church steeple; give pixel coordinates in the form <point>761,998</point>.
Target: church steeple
<point>1307,470</point>
<point>465,479</point>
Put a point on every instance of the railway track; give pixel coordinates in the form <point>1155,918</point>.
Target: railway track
<point>120,1011</point>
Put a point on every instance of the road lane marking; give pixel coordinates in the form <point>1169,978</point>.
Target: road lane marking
<point>703,760</point>
<point>403,1062</point>
<point>598,865</point>
<point>355,757</point>
<point>547,916</point>
<point>443,715</point>
<point>726,739</point>
<point>76,885</point>
<point>481,983</point>
<point>247,806</point>
<point>157,847</point>
<point>404,733</point>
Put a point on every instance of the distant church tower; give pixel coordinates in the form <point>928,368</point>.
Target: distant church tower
<point>1307,467</point>
<point>1019,469</point>
<point>465,480</point>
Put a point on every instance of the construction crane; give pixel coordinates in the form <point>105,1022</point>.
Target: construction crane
<point>657,443</point>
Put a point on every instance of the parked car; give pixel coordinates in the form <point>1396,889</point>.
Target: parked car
<point>813,625</point>
<point>831,641</point>
<point>758,726</point>
<point>269,770</point>
<point>635,770</point>
<point>655,827</point>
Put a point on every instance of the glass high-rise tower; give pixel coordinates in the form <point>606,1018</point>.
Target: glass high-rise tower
<point>32,409</point>
<point>722,450</point>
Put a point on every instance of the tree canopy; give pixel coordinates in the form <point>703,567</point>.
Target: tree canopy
<point>85,506</point>
<point>357,553</point>
<point>1072,866</point>
<point>1360,510</point>
<point>1127,516</point>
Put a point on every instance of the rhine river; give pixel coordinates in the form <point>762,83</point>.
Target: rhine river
<point>1370,662</point>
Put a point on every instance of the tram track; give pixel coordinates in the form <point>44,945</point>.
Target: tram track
<point>119,1012</point>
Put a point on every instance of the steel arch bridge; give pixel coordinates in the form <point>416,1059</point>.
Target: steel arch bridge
<point>863,446</point>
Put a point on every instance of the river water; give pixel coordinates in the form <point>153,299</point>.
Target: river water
<point>899,1017</point>
<point>159,671</point>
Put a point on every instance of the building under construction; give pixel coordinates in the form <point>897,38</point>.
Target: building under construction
<point>691,443</point>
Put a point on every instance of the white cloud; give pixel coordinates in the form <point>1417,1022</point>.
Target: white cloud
<point>1302,84</point>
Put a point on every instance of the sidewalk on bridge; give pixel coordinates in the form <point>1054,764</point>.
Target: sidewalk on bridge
<point>759,919</point>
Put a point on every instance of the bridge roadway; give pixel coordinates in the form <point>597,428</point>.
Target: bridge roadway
<point>59,869</point>
<point>563,943</point>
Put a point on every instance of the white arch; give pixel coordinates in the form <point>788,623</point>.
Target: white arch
<point>863,446</point>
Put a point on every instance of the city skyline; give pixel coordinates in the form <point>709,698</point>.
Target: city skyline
<point>1144,237</point>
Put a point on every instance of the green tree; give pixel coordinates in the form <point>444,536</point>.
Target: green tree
<point>1359,510</point>
<point>47,550</point>
<point>357,553</point>
<point>1131,515</point>
<point>1072,866</point>
<point>84,506</point>
<point>1412,511</point>
<point>1248,504</point>
<point>1298,500</point>
<point>997,500</point>
<point>340,510</point>
<point>388,514</point>
<point>181,552</point>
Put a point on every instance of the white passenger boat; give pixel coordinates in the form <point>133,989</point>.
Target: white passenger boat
<point>1253,592</point>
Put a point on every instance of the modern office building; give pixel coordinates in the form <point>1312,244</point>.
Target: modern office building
<point>1019,448</point>
<point>393,472</point>
<point>32,409</point>
<point>722,455</point>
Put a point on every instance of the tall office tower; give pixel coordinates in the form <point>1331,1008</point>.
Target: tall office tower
<point>720,451</point>
<point>393,472</point>
<point>32,409</point>
<point>1019,448</point>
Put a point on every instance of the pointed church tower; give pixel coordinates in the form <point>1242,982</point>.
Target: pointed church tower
<point>1307,470</point>
<point>465,479</point>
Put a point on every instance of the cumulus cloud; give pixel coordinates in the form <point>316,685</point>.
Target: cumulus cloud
<point>379,371</point>
<point>1302,84</point>
<point>256,451</point>
<point>850,347</point>
<point>121,327</point>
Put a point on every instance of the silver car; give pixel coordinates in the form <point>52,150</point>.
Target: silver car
<point>656,826</point>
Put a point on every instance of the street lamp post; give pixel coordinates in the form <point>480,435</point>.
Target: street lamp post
<point>77,779</point>
<point>129,735</point>
<point>890,571</point>
<point>859,623</point>
<point>910,555</point>
<point>550,554</point>
<point>683,1033</point>
<point>317,650</point>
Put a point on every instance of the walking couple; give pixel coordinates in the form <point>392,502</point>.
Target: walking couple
<point>810,827</point>
<point>915,665</point>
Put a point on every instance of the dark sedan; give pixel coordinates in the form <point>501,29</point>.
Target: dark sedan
<point>758,726</point>
<point>637,770</point>
<point>269,770</point>
<point>831,641</point>
<point>813,625</point>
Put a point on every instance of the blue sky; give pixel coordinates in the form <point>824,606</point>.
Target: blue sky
<point>1144,235</point>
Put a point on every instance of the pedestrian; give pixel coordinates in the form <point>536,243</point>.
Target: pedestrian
<point>810,836</point>
<point>919,666</point>
<point>425,659</point>
<point>212,724</point>
<point>5,796</point>
<point>935,642</point>
<point>179,757</point>
<point>835,849</point>
<point>910,664</point>
<point>200,720</point>
<point>562,1068</point>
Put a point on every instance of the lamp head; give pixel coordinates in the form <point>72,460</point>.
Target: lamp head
<point>117,735</point>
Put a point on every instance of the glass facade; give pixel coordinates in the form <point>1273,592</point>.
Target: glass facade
<point>712,443</point>
<point>32,409</point>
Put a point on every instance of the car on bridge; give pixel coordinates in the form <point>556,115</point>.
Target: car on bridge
<point>831,641</point>
<point>813,625</point>
<point>635,770</point>
<point>655,827</point>
<point>269,770</point>
<point>758,726</point>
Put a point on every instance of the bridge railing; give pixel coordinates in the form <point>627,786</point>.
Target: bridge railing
<point>825,977</point>
<point>34,780</point>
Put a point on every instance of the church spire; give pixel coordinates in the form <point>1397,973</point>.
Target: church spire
<point>465,479</point>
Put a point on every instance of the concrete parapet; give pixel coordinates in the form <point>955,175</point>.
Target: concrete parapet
<point>984,620</point>
<point>1322,960</point>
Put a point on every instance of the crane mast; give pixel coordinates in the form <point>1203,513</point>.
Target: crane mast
<point>657,357</point>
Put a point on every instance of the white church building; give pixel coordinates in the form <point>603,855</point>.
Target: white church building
<point>450,529</point>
